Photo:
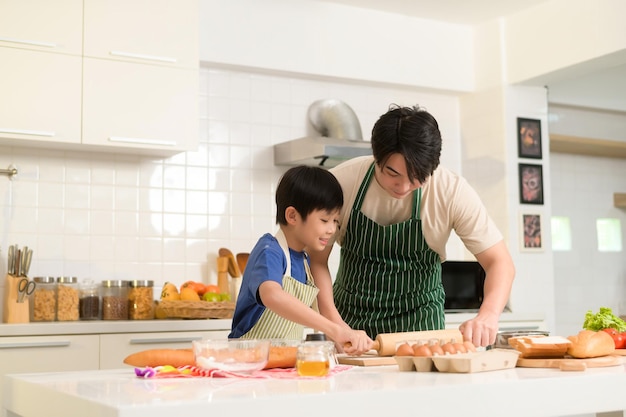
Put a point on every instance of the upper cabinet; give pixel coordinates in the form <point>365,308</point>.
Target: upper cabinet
<point>51,26</point>
<point>122,76</point>
<point>144,31</point>
<point>37,105</point>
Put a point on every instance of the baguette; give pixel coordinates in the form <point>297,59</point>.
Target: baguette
<point>590,344</point>
<point>161,357</point>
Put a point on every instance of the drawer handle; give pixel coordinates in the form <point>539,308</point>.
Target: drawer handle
<point>142,141</point>
<point>29,42</point>
<point>34,344</point>
<point>142,56</point>
<point>27,132</point>
<point>163,340</point>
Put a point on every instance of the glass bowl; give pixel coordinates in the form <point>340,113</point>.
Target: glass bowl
<point>233,355</point>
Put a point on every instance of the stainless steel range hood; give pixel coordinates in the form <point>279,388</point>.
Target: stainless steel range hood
<point>320,150</point>
<point>336,137</point>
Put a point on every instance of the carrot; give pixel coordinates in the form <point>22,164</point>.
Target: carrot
<point>161,357</point>
<point>282,357</point>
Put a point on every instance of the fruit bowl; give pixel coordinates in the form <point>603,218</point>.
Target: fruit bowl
<point>234,355</point>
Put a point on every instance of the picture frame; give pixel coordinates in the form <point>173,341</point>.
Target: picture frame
<point>531,225</point>
<point>530,184</point>
<point>529,138</point>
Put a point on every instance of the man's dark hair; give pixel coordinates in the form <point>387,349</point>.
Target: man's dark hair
<point>412,132</point>
<point>307,189</point>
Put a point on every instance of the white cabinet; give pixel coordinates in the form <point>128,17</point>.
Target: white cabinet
<point>140,78</point>
<point>116,75</point>
<point>139,106</point>
<point>52,26</point>
<point>40,105</point>
<point>115,347</point>
<point>146,31</point>
<point>48,354</point>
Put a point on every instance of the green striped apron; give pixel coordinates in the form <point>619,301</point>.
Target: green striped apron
<point>272,326</point>
<point>388,280</point>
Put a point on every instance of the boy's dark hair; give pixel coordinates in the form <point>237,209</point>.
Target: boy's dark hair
<point>412,132</point>
<point>306,189</point>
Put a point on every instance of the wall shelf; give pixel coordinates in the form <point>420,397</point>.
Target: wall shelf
<point>587,146</point>
<point>619,200</point>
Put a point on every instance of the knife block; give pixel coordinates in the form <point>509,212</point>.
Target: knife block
<point>15,312</point>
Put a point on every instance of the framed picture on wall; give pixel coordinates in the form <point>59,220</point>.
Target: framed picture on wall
<point>530,184</point>
<point>532,240</point>
<point>529,138</point>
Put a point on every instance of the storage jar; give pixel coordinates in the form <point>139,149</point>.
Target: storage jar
<point>89,300</point>
<point>67,299</point>
<point>43,306</point>
<point>140,300</point>
<point>114,300</point>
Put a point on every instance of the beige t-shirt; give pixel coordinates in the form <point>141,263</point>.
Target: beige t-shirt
<point>448,203</point>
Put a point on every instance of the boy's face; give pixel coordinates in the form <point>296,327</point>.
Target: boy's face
<point>318,228</point>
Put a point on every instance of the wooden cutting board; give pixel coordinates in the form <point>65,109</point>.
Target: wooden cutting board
<point>621,352</point>
<point>570,363</point>
<point>366,360</point>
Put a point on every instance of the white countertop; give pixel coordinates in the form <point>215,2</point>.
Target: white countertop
<point>361,391</point>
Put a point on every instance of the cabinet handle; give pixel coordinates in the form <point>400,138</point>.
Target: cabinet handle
<point>27,132</point>
<point>163,340</point>
<point>142,56</point>
<point>34,344</point>
<point>142,141</point>
<point>29,42</point>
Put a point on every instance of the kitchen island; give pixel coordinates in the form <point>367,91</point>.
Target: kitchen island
<point>362,391</point>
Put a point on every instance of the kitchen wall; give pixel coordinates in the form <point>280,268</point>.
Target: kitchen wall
<point>586,278</point>
<point>104,216</point>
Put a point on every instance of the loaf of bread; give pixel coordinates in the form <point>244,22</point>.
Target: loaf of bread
<point>590,344</point>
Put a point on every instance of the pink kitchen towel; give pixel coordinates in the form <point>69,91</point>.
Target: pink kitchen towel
<point>194,372</point>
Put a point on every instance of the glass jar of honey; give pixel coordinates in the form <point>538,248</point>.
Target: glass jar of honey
<point>314,358</point>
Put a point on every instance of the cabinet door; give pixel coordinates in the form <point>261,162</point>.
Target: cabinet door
<point>48,353</point>
<point>40,96</point>
<point>115,347</point>
<point>139,106</point>
<point>159,32</point>
<point>41,25</point>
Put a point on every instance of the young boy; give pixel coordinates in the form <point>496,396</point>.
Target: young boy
<point>277,290</point>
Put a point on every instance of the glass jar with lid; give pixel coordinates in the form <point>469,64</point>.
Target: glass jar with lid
<point>140,300</point>
<point>67,299</point>
<point>89,300</point>
<point>114,300</point>
<point>43,306</point>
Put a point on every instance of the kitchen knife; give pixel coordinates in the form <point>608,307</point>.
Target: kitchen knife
<point>11,256</point>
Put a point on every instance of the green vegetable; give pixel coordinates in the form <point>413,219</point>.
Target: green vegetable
<point>604,319</point>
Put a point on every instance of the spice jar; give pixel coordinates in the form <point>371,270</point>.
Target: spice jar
<point>314,358</point>
<point>114,300</point>
<point>67,298</point>
<point>89,300</point>
<point>43,305</point>
<point>140,300</point>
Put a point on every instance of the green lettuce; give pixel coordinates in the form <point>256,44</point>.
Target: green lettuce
<point>604,319</point>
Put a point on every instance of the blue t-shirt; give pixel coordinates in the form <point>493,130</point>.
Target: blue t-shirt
<point>266,262</point>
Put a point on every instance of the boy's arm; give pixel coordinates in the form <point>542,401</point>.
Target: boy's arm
<point>290,308</point>
<point>323,281</point>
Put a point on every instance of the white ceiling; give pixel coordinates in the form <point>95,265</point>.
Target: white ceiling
<point>601,84</point>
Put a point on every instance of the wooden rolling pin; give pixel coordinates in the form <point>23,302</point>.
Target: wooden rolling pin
<point>385,343</point>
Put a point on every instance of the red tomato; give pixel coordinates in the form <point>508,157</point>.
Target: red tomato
<point>618,338</point>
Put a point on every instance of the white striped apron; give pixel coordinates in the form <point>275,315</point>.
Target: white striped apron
<point>272,326</point>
